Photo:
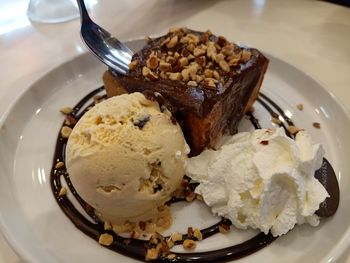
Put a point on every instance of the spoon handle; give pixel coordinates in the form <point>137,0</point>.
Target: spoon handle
<point>84,15</point>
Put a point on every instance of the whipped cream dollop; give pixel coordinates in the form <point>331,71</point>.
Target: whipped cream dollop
<point>262,179</point>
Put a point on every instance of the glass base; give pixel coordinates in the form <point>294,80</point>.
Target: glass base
<point>52,11</point>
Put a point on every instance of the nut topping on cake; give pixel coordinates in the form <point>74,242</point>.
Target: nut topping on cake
<point>192,58</point>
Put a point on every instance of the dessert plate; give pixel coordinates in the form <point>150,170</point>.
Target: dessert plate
<point>38,230</point>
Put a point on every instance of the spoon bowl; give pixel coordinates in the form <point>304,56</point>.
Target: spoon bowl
<point>107,48</point>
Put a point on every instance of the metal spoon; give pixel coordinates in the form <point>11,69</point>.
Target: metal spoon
<point>108,49</point>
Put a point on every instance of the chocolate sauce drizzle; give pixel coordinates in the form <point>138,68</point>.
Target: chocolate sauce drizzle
<point>92,226</point>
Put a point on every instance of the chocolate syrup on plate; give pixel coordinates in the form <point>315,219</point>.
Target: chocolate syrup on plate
<point>92,226</point>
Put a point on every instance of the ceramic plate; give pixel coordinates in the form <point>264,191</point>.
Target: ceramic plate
<point>38,230</point>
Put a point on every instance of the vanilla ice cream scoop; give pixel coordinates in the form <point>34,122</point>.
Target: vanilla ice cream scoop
<point>263,180</point>
<point>125,157</point>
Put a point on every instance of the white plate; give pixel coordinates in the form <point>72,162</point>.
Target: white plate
<point>38,230</point>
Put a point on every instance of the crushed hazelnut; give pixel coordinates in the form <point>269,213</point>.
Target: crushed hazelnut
<point>152,62</point>
<point>183,61</point>
<point>65,132</point>
<point>165,67</point>
<point>276,121</point>
<point>176,237</point>
<point>216,75</point>
<point>208,73</point>
<point>59,165</point>
<point>198,234</point>
<point>107,226</point>
<point>105,239</point>
<point>209,82</point>
<point>201,61</point>
<point>246,54</point>
<point>133,64</point>
<point>317,125</point>
<point>66,110</point>
<point>70,120</point>
<point>224,66</point>
<point>300,106</point>
<point>223,228</point>
<point>175,76</point>
<point>151,254</point>
<point>190,196</point>
<point>198,51</point>
<point>170,243</point>
<point>185,74</point>
<point>148,74</point>
<point>221,41</point>
<point>63,191</point>
<point>172,42</point>
<point>165,41</point>
<point>171,256</point>
<point>192,83</point>
<point>293,130</point>
<point>189,244</point>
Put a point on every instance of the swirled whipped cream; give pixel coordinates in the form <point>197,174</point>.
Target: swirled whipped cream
<point>262,179</point>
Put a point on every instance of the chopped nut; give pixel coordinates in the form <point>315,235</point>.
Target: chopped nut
<point>148,39</point>
<point>189,244</point>
<point>190,39</point>
<point>66,110</point>
<point>185,52</point>
<point>227,50</point>
<point>209,82</point>
<point>225,67</point>
<point>133,64</point>
<point>175,76</point>
<point>223,228</point>
<point>176,55</point>
<point>107,226</point>
<point>219,57</point>
<point>65,132</point>
<point>276,121</point>
<point>172,42</point>
<point>192,83</point>
<point>199,78</point>
<point>63,191</point>
<point>148,74</point>
<point>176,237</point>
<point>317,125</point>
<point>171,256</point>
<point>171,60</point>
<point>293,130</point>
<point>170,243</point>
<point>300,106</point>
<point>70,120</point>
<point>190,196</point>
<point>185,74</point>
<point>165,67</point>
<point>211,50</point>
<point>165,41</point>
<point>193,68</point>
<point>151,254</point>
<point>105,239</point>
<point>208,73</point>
<point>201,61</point>
<point>191,47</point>
<point>216,75</point>
<point>246,54</point>
<point>221,41</point>
<point>198,234</point>
<point>233,61</point>
<point>152,62</point>
<point>198,51</point>
<point>59,165</point>
<point>183,61</point>
<point>190,232</point>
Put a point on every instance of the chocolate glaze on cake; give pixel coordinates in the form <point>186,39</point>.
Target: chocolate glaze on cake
<point>225,82</point>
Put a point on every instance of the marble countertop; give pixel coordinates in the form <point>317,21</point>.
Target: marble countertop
<point>311,35</point>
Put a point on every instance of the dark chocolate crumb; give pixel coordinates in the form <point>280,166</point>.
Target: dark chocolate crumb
<point>264,142</point>
<point>142,122</point>
<point>142,225</point>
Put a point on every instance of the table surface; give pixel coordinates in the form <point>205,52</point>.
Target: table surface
<point>311,35</point>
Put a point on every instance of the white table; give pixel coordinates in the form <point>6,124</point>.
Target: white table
<point>312,35</point>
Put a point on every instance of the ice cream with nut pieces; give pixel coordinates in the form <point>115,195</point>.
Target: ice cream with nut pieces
<point>125,157</point>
